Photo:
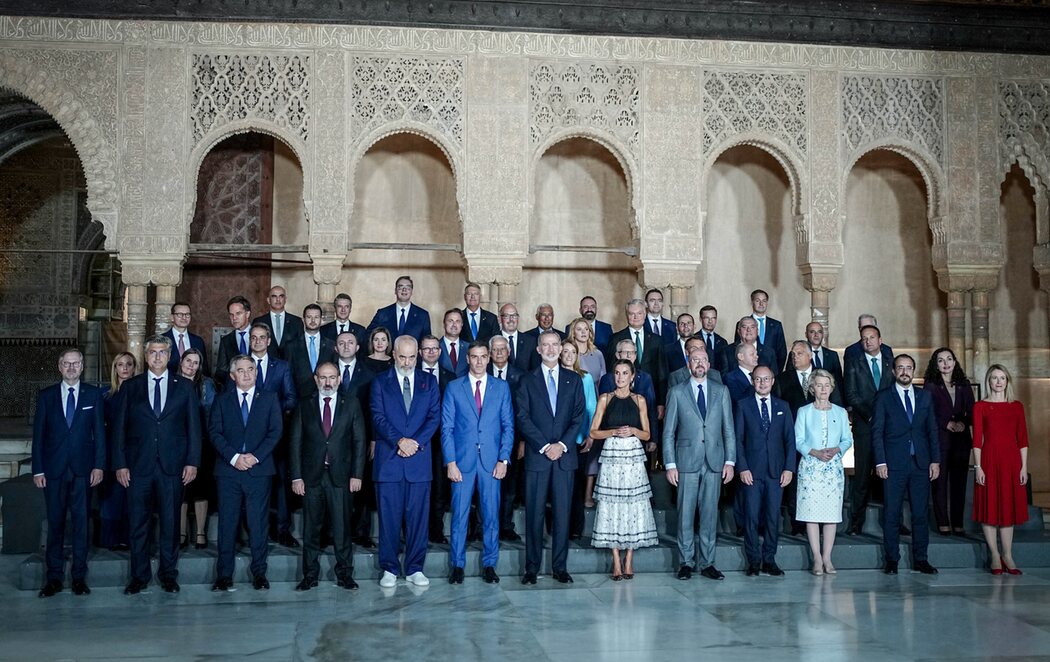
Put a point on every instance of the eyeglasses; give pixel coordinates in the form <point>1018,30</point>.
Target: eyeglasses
<point>180,314</point>
<point>71,364</point>
<point>509,315</point>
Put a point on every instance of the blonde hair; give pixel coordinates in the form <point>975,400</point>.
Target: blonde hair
<point>590,334</point>
<point>819,372</point>
<point>114,383</point>
<point>576,362</point>
<point>1008,393</point>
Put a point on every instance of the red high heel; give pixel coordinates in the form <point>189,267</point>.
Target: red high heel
<point>997,571</point>
<point>1014,571</point>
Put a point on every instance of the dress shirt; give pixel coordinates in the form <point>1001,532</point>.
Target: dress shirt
<point>333,398</point>
<point>343,366</point>
<point>557,374</point>
<point>449,344</point>
<point>430,370</point>
<point>640,343</point>
<point>262,371</point>
<point>411,383</point>
<point>76,395</point>
<point>802,374</point>
<point>818,352</point>
<point>500,373</point>
<point>240,399</point>
<point>277,322</point>
<point>474,381</point>
<point>151,386</point>
<point>655,323</point>
<point>406,309</point>
<point>343,326</point>
<point>695,384</point>
<point>900,396</point>
<point>747,373</point>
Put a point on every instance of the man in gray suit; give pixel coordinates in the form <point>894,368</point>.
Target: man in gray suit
<point>699,447</point>
<point>683,374</point>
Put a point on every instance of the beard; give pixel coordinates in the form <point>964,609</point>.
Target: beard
<point>589,316</point>
<point>327,392</point>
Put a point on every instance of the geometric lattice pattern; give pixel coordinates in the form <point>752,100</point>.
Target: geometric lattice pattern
<point>1024,118</point>
<point>227,88</point>
<point>602,96</point>
<point>739,101</point>
<point>876,107</point>
<point>424,90</point>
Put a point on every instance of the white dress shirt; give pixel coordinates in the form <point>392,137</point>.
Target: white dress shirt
<point>151,385</point>
<point>240,399</point>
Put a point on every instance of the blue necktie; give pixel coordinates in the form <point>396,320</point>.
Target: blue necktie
<point>710,345</point>
<point>762,330</point>
<point>262,378</point>
<point>552,390</point>
<point>313,353</point>
<point>401,323</point>
<point>474,325</point>
<point>765,416</point>
<point>71,407</point>
<point>244,409</point>
<point>701,403</point>
<point>911,414</point>
<point>156,396</point>
<point>346,378</point>
<point>876,373</point>
<point>244,347</point>
<point>816,360</point>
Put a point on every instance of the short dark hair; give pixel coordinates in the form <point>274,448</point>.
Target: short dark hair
<point>430,336</point>
<point>261,325</point>
<point>401,278</point>
<point>871,326</point>
<point>708,307</point>
<point>313,306</point>
<point>904,356</point>
<point>589,297</point>
<point>241,300</point>
<point>450,311</point>
<point>689,315</point>
<point>478,344</point>
<point>754,292</point>
<point>651,290</point>
<point>343,295</point>
<point>177,304</point>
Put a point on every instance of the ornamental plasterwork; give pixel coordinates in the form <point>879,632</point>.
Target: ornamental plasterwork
<point>737,102</point>
<point>909,109</point>
<point>228,88</point>
<point>1024,127</point>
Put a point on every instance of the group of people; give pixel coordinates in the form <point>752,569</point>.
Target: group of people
<point>487,416</point>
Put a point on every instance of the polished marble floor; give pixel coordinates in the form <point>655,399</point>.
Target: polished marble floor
<point>857,615</point>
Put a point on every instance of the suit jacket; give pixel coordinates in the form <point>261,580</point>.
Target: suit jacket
<point>653,360</point>
<point>739,385</point>
<point>290,333</point>
<point>512,374</point>
<point>476,442</point>
<point>945,411</point>
<point>776,342</point>
<point>892,434</point>
<point>76,449</point>
<point>280,382</point>
<point>829,360</point>
<point>230,436</point>
<point>692,443</point>
<point>540,426</point>
<point>602,332</point>
<point>524,351</point>
<point>298,357</point>
<point>860,388</point>
<point>360,381</point>
<point>331,332</point>
<point>417,321</point>
<point>461,358</point>
<point>789,389</point>
<point>391,422</point>
<point>488,325</point>
<point>534,333</point>
<point>668,331</point>
<point>443,376</point>
<point>345,447</point>
<point>229,347</point>
<point>857,349</point>
<point>675,354</point>
<point>716,356</point>
<point>141,439</point>
<point>683,375</point>
<point>766,357</point>
<point>196,342</point>
<point>765,453</point>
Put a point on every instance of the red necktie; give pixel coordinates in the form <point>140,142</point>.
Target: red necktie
<point>477,396</point>
<point>326,425</point>
<point>452,356</point>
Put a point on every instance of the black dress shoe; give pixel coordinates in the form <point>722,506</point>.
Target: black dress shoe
<point>135,586</point>
<point>365,542</point>
<point>345,582</point>
<point>772,569</point>
<point>260,583</point>
<point>509,536</point>
<point>202,542</point>
<point>169,585</point>
<point>562,577</point>
<point>924,567</point>
<point>712,572</point>
<point>685,572</point>
<point>528,578</point>
<point>184,541</point>
<point>739,532</point>
<point>287,540</point>
<point>904,531</point>
<point>489,576</point>
<point>50,588</point>
<point>80,587</point>
<point>305,585</point>
<point>225,584</point>
<point>752,570</point>
<point>853,531</point>
<point>890,568</point>
<point>439,540</point>
<point>456,577</point>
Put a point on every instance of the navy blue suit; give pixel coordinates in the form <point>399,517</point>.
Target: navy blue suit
<point>248,489</point>
<point>739,385</point>
<point>66,455</point>
<point>403,483</point>
<point>155,450</point>
<point>716,354</point>
<point>668,331</point>
<point>417,321</point>
<point>523,353</point>
<point>193,342</point>
<point>291,332</point>
<point>488,325</point>
<point>766,357</point>
<point>774,339</point>
<point>331,332</point>
<point>767,452</point>
<point>907,448</point>
<point>445,361</point>
<point>540,426</point>
<point>281,383</point>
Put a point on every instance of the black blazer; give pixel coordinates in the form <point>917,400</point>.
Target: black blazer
<point>345,447</point>
<point>860,388</point>
<point>331,331</point>
<point>488,326</point>
<point>299,361</point>
<point>196,342</point>
<point>716,357</point>
<point>946,412</point>
<point>653,361</point>
<point>141,439</point>
<point>540,426</point>
<point>512,374</point>
<point>293,330</point>
<point>229,347</point>
<point>789,389</point>
<point>829,360</point>
<point>524,356</point>
<point>766,357</point>
<point>58,448</point>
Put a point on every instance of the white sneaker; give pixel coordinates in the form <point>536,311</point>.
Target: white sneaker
<point>419,579</point>
<point>388,580</point>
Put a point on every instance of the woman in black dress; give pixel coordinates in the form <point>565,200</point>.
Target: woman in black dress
<point>380,356</point>
<point>112,496</point>
<point>202,489</point>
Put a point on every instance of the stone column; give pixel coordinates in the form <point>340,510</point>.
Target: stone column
<point>957,326</point>
<point>679,297</point>
<point>820,280</point>
<point>162,309</point>
<point>979,323</point>
<point>327,273</point>
<point>496,277</point>
<point>136,320</point>
<point>508,293</point>
<point>676,279</point>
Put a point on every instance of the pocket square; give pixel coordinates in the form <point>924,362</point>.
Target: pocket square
<point>88,407</point>
<point>780,413</point>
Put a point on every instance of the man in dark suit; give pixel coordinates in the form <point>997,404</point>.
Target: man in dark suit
<point>156,452</point>
<point>402,318</point>
<point>355,380</point>
<point>453,348</point>
<point>649,349</point>
<point>69,454</point>
<point>738,379</point>
<point>309,351</point>
<point>405,414</point>
<point>550,409</point>
<point>683,374</point>
<point>714,343</point>
<point>544,323</point>
<point>907,456</point>
<point>512,487</point>
<point>235,342</point>
<point>765,462</point>
<point>654,322</point>
<point>285,328</point>
<point>327,463</point>
<point>522,345</point>
<point>602,331</point>
<point>478,323</point>
<point>677,354</point>
<point>747,334</point>
<point>865,376</point>
<point>770,331</point>
<point>342,323</point>
<point>244,427</point>
<point>182,339</point>
<point>823,358</point>
<point>430,355</point>
<point>857,348</point>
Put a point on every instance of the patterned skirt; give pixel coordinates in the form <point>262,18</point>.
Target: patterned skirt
<point>624,516</point>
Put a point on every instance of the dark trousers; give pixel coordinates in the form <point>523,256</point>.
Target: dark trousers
<point>113,512</point>
<point>915,482</point>
<point>762,503</point>
<point>578,514</point>
<point>62,495</point>
<point>281,492</point>
<point>364,506</point>
<point>403,504</point>
<point>863,464</point>
<point>511,493</point>
<point>440,492</point>
<point>949,490</point>
<point>143,491</point>
<point>556,482</point>
<point>250,495</point>
<point>331,503</point>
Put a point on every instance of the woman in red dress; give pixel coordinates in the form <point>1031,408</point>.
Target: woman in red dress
<point>1000,444</point>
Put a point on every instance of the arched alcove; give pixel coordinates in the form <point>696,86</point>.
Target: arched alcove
<point>888,246</point>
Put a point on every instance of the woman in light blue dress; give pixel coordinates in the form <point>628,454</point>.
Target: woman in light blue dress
<point>822,435</point>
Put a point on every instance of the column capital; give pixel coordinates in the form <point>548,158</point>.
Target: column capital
<point>965,278</point>
<point>328,269</point>
<point>147,269</point>
<point>500,269</point>
<point>659,274</point>
<point>820,277</point>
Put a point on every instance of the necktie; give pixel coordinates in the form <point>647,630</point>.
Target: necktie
<point>816,360</point>
<point>805,383</point>
<point>406,393</point>
<point>762,330</point>
<point>656,326</point>
<point>876,373</point>
<point>326,420</point>
<point>765,416</point>
<point>259,368</point>
<point>710,344</point>
<point>637,348</point>
<point>477,396</point>
<point>278,327</point>
<point>430,370</point>
<point>701,403</point>
<point>401,323</point>
<point>911,414</point>
<point>71,407</point>
<point>499,373</point>
<point>182,344</point>
<point>342,327</point>
<point>156,396</point>
<point>452,356</point>
<point>346,378</point>
<point>313,353</point>
<point>552,390</point>
<point>243,347</point>
<point>244,409</point>
<point>510,341</point>
<point>474,325</point>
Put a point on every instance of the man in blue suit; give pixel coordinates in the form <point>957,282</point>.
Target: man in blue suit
<point>182,339</point>
<point>765,461</point>
<point>406,410</point>
<point>738,379</point>
<point>677,355</point>
<point>402,318</point>
<point>453,347</point>
<point>245,426</point>
<point>589,311</point>
<point>156,452</point>
<point>823,358</point>
<point>69,453</point>
<point>550,411</point>
<point>747,334</point>
<point>478,323</point>
<point>477,435</point>
<point>715,344</point>
<point>770,331</point>
<point>907,456</point>
<point>655,322</point>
